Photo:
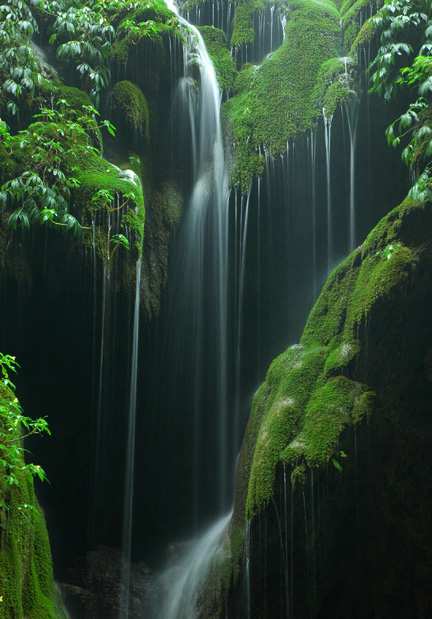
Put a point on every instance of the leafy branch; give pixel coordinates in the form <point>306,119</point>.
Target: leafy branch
<point>403,62</point>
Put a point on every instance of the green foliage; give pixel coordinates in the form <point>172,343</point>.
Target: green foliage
<point>41,195</point>
<point>118,240</point>
<point>20,71</point>
<point>12,420</point>
<point>26,577</point>
<point>403,62</point>
<point>85,38</point>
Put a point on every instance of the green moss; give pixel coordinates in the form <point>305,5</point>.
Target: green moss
<point>144,24</point>
<point>291,379</point>
<point>224,65</point>
<point>364,36</point>
<point>75,97</point>
<point>76,103</point>
<point>244,78</point>
<point>306,402</point>
<point>353,13</point>
<point>131,200</point>
<point>130,111</point>
<point>335,85</point>
<point>341,356</point>
<point>168,202</point>
<point>26,576</point>
<point>330,409</point>
<point>277,101</point>
<point>243,23</point>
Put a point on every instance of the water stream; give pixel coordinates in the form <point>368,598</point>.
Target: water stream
<point>130,454</point>
<point>184,580</point>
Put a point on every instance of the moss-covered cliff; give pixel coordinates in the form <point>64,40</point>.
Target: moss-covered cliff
<point>361,374</point>
<point>26,572</point>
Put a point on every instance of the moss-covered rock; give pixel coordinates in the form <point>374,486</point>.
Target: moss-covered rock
<point>26,573</point>
<point>360,358</point>
<point>354,14</point>
<point>243,23</point>
<point>308,403</point>
<point>336,83</point>
<point>143,24</point>
<point>216,44</point>
<point>277,100</point>
<point>130,111</point>
<point>164,211</point>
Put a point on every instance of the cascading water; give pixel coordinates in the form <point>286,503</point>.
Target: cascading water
<point>185,580</point>
<point>130,455</point>
<point>327,137</point>
<point>200,273</point>
<point>351,110</point>
<point>206,218</point>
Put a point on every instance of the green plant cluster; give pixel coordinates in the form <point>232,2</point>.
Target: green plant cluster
<point>307,399</point>
<point>26,578</point>
<point>20,70</point>
<point>404,63</point>
<point>62,189</point>
<point>145,22</point>
<point>52,171</point>
<point>216,44</point>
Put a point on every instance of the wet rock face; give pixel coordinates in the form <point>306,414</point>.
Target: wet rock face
<point>94,588</point>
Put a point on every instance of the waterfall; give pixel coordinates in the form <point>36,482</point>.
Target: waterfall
<point>198,306</point>
<point>194,349</point>
<point>202,269</point>
<point>312,149</point>
<point>130,456</point>
<point>351,110</point>
<point>185,580</point>
<point>327,137</point>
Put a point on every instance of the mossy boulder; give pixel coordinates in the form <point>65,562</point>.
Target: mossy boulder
<point>354,14</point>
<point>163,214</point>
<point>130,112</point>
<point>336,84</point>
<point>361,363</point>
<point>309,399</point>
<point>216,44</point>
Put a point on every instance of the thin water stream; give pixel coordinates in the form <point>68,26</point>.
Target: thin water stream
<point>184,580</point>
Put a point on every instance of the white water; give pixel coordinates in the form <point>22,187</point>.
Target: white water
<point>312,149</point>
<point>202,268</point>
<point>351,110</point>
<point>184,581</point>
<point>327,137</point>
<point>130,456</point>
<point>203,264</point>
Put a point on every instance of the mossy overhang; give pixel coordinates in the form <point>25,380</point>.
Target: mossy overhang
<point>276,101</point>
